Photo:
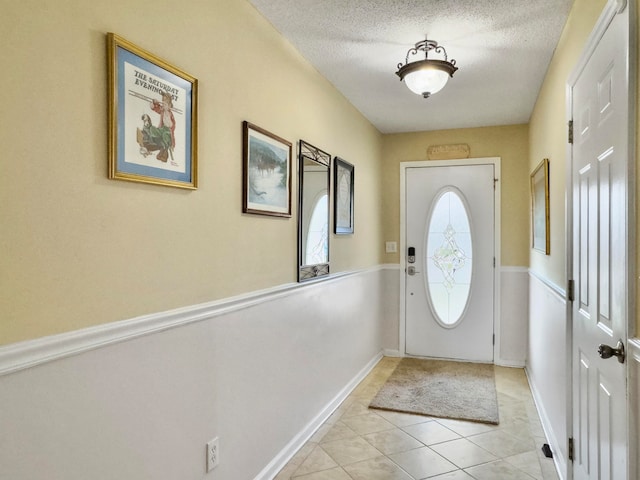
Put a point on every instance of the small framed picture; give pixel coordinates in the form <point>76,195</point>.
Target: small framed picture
<point>152,118</point>
<point>266,168</point>
<point>540,208</point>
<point>343,197</point>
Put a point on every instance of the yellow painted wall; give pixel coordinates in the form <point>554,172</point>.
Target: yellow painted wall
<point>81,250</point>
<point>508,142</point>
<point>548,132</point>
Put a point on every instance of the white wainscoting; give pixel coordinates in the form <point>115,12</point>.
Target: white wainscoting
<point>140,399</point>
<point>546,363</point>
<point>391,306</point>
<point>546,371</point>
<point>512,336</point>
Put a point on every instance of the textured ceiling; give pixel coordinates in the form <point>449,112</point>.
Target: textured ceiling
<point>502,49</point>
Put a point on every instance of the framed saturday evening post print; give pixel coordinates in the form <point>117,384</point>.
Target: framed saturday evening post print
<point>266,168</point>
<point>152,118</point>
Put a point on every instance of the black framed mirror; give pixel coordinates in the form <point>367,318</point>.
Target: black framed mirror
<point>314,167</point>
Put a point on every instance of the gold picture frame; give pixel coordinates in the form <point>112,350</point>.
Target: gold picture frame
<point>153,110</point>
<point>540,234</point>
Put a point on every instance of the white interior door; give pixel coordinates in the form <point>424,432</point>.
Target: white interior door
<point>449,274</point>
<point>600,236</point>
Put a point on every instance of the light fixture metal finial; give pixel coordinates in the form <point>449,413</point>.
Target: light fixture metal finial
<point>428,76</point>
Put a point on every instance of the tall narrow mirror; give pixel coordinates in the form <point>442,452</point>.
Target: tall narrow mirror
<point>314,167</point>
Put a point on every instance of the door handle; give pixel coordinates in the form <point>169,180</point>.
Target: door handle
<point>411,270</point>
<point>605,351</point>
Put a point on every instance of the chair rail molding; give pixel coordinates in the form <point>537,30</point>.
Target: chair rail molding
<point>19,356</point>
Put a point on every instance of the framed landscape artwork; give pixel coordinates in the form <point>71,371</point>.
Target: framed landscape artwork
<point>152,118</point>
<point>266,188</point>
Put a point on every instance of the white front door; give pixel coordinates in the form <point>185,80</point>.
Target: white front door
<point>600,255</point>
<point>449,274</point>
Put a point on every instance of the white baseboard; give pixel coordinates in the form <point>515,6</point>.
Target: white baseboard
<point>387,352</point>
<point>500,363</point>
<point>558,459</point>
<point>280,460</point>
<point>510,363</point>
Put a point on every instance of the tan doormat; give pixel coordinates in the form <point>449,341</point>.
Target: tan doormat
<point>439,388</point>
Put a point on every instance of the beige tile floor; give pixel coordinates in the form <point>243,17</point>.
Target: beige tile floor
<point>358,443</point>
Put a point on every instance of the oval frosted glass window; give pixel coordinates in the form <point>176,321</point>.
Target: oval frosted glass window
<point>449,248</point>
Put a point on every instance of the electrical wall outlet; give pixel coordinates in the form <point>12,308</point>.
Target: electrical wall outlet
<point>213,454</point>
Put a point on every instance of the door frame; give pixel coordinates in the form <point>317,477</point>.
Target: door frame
<point>612,8</point>
<point>495,161</point>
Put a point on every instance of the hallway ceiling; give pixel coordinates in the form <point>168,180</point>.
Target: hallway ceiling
<point>502,49</point>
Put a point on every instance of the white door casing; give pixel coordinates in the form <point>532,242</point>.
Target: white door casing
<point>598,253</point>
<point>425,331</point>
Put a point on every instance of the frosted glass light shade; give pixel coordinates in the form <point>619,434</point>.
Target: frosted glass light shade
<point>426,81</point>
<point>426,77</point>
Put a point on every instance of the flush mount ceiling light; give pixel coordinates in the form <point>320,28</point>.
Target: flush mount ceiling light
<point>428,76</point>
